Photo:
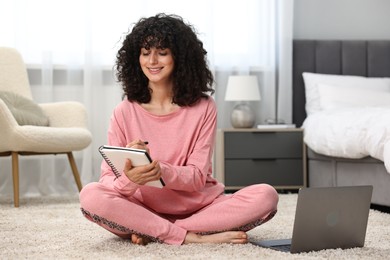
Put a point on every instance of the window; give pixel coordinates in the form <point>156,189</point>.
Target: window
<point>235,32</point>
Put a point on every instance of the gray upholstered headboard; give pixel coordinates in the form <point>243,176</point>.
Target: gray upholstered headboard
<point>363,58</point>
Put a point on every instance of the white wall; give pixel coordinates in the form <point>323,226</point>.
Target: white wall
<point>342,19</point>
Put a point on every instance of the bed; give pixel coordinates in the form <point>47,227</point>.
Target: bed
<point>329,164</point>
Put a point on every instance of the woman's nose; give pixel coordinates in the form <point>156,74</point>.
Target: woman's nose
<point>153,58</point>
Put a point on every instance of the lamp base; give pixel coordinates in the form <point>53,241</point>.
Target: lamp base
<point>277,121</point>
<point>242,116</point>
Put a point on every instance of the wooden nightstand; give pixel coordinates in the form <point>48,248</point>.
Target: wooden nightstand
<point>250,156</point>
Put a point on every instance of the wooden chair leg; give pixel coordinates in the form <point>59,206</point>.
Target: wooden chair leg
<point>76,174</point>
<point>15,176</point>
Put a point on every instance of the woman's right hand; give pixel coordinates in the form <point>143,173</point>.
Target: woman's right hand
<point>138,144</point>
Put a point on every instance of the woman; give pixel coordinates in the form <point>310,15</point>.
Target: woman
<point>163,69</point>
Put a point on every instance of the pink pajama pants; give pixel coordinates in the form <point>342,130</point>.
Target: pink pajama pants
<point>243,210</point>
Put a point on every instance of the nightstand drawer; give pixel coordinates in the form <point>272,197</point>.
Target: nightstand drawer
<point>243,145</point>
<point>279,172</point>
<point>251,156</point>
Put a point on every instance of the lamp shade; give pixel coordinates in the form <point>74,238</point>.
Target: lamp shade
<point>242,88</point>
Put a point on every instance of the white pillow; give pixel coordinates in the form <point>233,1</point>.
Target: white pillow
<point>332,97</point>
<point>24,110</point>
<point>312,80</point>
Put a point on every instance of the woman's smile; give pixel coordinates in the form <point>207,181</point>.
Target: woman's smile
<point>155,70</point>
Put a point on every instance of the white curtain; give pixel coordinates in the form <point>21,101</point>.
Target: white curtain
<point>69,48</point>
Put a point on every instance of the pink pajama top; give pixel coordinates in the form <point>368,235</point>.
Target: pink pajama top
<point>182,142</point>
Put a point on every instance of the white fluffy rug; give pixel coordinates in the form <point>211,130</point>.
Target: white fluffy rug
<point>54,228</point>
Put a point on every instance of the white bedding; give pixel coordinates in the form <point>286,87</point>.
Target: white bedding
<point>354,132</point>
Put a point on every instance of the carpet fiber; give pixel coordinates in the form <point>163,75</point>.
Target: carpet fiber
<point>54,228</point>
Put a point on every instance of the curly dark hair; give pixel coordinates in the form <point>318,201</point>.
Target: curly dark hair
<point>192,78</point>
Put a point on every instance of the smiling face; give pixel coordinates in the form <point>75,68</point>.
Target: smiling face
<point>157,64</point>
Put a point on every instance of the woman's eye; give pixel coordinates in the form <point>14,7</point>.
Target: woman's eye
<point>163,53</point>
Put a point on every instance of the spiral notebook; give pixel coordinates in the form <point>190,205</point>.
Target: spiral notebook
<point>116,158</point>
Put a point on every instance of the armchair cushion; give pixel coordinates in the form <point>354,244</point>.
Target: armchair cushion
<point>25,111</point>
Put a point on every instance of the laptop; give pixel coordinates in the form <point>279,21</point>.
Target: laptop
<point>327,217</point>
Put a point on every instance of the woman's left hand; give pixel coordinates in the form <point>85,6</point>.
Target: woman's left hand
<point>143,174</point>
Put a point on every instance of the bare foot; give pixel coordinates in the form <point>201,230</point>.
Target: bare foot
<point>139,240</point>
<point>229,237</point>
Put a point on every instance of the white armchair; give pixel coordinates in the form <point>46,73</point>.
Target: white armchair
<point>67,130</point>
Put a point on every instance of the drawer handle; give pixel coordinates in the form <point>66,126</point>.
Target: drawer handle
<point>264,159</point>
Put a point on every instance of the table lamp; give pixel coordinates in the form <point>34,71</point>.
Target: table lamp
<point>242,89</point>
